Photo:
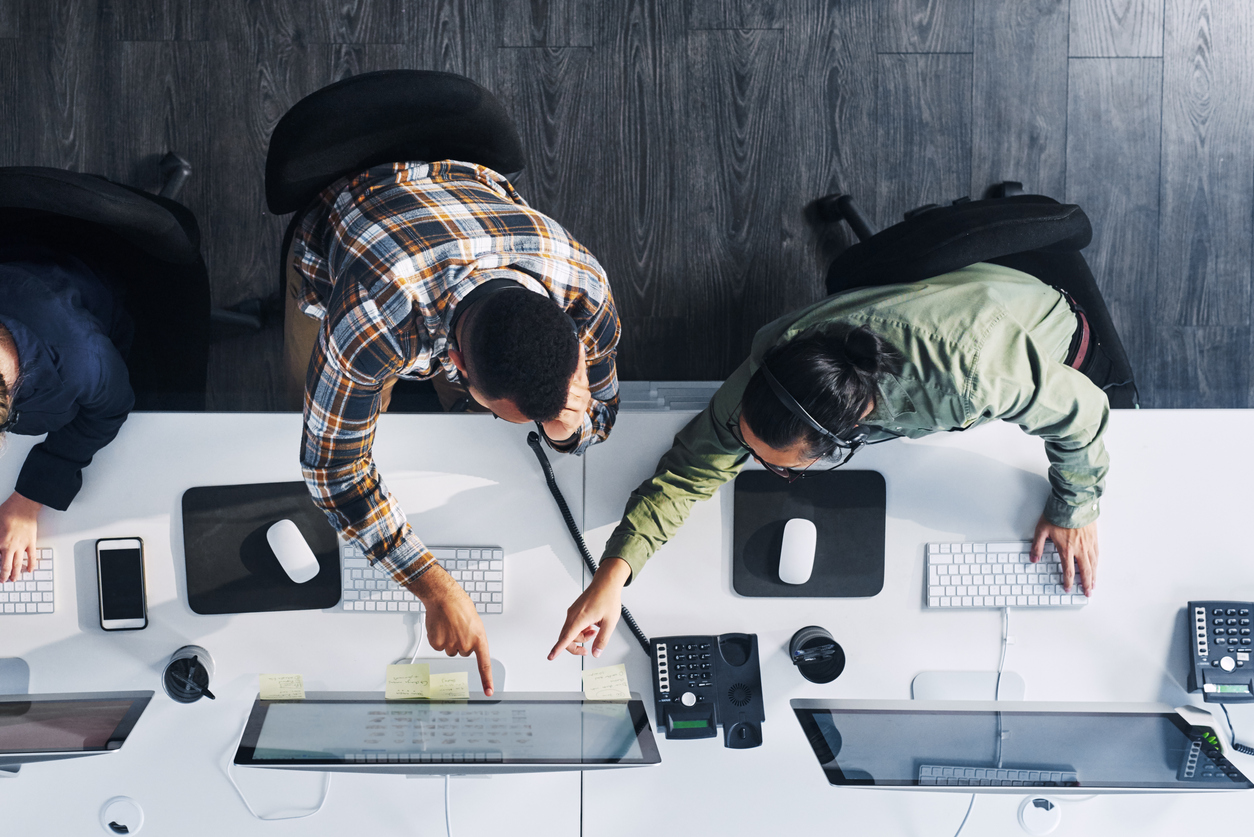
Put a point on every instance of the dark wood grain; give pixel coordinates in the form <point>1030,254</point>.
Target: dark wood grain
<point>1199,367</point>
<point>1019,95</point>
<point>1113,173</point>
<point>552,23</point>
<point>10,26</point>
<point>1208,165</point>
<point>736,95</point>
<point>1117,28</point>
<point>642,207</point>
<point>924,132</point>
<point>456,36</point>
<point>553,96</point>
<point>737,14</point>
<point>318,21</point>
<point>157,20</point>
<point>830,46</point>
<point>62,86</point>
<point>8,104</point>
<point>924,25</point>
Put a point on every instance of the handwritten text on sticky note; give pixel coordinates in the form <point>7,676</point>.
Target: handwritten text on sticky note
<point>609,683</point>
<point>452,685</point>
<point>282,687</point>
<point>408,681</point>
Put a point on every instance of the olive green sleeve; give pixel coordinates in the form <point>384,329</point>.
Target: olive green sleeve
<point>703,457</point>
<point>1018,382</point>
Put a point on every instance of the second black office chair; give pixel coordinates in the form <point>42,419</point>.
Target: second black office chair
<point>1032,233</point>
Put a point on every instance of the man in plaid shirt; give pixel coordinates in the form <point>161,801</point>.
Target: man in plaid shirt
<point>403,266</point>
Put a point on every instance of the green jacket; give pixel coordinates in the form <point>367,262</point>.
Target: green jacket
<point>980,344</point>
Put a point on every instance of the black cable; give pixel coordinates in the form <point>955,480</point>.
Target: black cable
<point>1240,748</point>
<point>533,439</point>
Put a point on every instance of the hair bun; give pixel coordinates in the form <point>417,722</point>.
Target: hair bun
<point>865,350</point>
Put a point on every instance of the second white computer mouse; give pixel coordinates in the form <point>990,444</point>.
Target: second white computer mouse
<point>796,554</point>
<point>293,552</point>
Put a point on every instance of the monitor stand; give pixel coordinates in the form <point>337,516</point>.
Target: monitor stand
<point>14,680</point>
<point>966,685</point>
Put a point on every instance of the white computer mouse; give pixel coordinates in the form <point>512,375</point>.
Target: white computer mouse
<point>796,554</point>
<point>294,554</point>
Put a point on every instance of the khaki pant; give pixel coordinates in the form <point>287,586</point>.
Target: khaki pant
<point>300,333</point>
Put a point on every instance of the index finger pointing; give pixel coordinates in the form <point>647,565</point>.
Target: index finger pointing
<point>485,665</point>
<point>569,631</point>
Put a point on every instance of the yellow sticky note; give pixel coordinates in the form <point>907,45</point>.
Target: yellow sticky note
<point>450,686</point>
<point>408,681</point>
<point>282,687</point>
<point>609,683</point>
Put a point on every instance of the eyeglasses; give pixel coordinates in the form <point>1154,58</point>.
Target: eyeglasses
<point>843,453</point>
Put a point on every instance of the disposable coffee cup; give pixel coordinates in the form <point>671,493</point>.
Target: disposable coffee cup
<point>186,676</point>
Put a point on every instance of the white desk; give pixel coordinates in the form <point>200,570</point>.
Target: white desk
<point>1177,504</point>
<point>458,475</point>
<point>461,478</point>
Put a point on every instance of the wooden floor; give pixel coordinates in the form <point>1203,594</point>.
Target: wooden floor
<point>681,140</point>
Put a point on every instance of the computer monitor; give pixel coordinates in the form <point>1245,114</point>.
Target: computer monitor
<point>523,732</point>
<point>37,728</point>
<point>1010,746</point>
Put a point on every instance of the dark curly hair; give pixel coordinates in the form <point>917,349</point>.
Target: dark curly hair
<point>833,374</point>
<point>523,347</point>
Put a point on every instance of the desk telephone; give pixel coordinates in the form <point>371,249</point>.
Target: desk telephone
<point>702,682</point>
<point>1219,633</point>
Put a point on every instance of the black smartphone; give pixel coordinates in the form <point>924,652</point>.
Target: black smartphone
<point>120,571</point>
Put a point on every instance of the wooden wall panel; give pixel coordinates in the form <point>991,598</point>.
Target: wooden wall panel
<point>1116,28</point>
<point>925,25</point>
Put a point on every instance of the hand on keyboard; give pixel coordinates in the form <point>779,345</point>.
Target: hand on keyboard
<point>1077,550</point>
<point>453,624</point>
<point>18,530</point>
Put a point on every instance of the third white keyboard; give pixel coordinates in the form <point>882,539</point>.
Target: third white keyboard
<point>480,570</point>
<point>32,591</point>
<point>996,575</point>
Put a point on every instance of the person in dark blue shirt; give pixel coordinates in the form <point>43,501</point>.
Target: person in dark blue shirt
<point>64,337</point>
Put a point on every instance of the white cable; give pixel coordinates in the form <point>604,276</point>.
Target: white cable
<point>230,760</point>
<point>962,824</point>
<point>1001,665</point>
<point>448,817</point>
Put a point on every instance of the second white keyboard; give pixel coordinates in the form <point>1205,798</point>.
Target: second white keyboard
<point>32,592</point>
<point>480,570</point>
<point>996,575</point>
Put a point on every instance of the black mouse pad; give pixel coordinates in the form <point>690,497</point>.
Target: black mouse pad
<point>230,566</point>
<point>847,508</point>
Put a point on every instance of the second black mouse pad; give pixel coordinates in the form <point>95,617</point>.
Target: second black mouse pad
<point>230,566</point>
<point>847,508</point>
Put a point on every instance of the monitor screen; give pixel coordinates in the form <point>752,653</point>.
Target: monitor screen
<point>1021,746</point>
<point>69,723</point>
<point>489,731</point>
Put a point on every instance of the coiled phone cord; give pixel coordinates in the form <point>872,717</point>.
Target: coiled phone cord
<point>1232,736</point>
<point>533,439</point>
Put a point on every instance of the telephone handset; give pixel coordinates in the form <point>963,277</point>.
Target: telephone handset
<point>1220,645</point>
<point>702,682</point>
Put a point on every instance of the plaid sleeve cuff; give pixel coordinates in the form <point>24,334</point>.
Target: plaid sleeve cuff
<point>407,560</point>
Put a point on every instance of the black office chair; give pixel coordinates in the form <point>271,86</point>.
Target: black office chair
<point>391,116</point>
<point>150,244</point>
<point>1032,233</point>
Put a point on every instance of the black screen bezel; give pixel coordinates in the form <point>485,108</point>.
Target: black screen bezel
<point>835,776</point>
<point>245,753</point>
<point>139,702</point>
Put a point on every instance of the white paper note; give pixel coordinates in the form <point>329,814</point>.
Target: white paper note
<point>609,683</point>
<point>453,685</point>
<point>408,681</point>
<point>282,687</point>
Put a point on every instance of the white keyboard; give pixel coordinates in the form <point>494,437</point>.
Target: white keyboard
<point>32,592</point>
<point>937,774</point>
<point>997,575</point>
<point>480,570</point>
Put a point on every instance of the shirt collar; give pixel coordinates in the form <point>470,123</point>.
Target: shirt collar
<point>893,401</point>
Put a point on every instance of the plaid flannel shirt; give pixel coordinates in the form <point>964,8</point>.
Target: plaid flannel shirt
<point>385,257</point>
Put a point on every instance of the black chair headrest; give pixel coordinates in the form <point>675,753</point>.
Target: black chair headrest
<point>389,116</point>
<point>160,227</point>
<point>949,238</point>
